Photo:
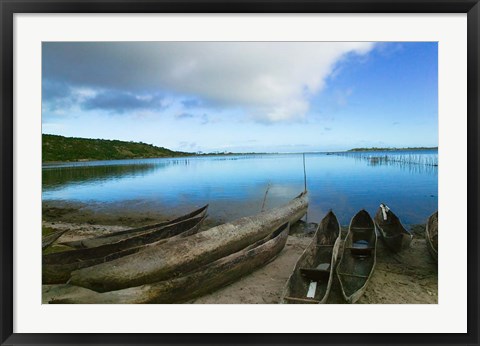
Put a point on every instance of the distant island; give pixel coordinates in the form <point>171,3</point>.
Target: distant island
<point>69,149</point>
<point>392,149</point>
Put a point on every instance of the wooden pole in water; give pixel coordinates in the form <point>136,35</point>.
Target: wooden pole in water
<point>304,174</point>
<point>305,185</point>
<point>265,197</point>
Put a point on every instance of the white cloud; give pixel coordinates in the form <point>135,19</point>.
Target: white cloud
<point>269,81</point>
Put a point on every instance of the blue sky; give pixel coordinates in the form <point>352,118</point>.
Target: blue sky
<point>243,96</point>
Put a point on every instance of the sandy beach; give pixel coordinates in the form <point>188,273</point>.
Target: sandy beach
<point>409,277</point>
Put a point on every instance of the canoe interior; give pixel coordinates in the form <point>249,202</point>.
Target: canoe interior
<point>392,225</point>
<point>314,269</point>
<point>358,260</point>
<point>273,235</point>
<point>194,213</point>
<point>122,235</point>
<point>50,239</point>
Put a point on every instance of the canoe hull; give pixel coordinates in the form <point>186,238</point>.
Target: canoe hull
<point>354,271</point>
<point>431,235</point>
<point>391,231</point>
<point>57,267</point>
<point>50,239</point>
<point>323,248</point>
<point>158,263</point>
<point>204,280</point>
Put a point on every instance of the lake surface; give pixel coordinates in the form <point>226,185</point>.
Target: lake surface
<point>235,186</point>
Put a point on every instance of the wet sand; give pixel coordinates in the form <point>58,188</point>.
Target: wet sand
<point>409,277</point>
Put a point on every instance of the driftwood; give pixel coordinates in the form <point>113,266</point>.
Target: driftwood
<point>431,235</point>
<point>202,281</point>
<point>358,258</point>
<point>122,235</point>
<point>57,267</point>
<point>161,262</point>
<point>322,252</point>
<point>49,239</point>
<point>391,230</point>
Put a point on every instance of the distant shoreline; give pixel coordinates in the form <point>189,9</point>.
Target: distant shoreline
<point>392,149</point>
<point>58,150</point>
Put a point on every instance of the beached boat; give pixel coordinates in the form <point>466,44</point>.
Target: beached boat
<point>57,267</point>
<point>358,258</point>
<point>197,283</point>
<point>431,235</point>
<point>391,230</point>
<point>50,239</point>
<point>157,263</point>
<point>121,235</point>
<point>312,275</point>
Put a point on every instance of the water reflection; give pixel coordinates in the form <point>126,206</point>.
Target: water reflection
<point>410,167</point>
<point>59,177</point>
<point>235,186</point>
<point>418,161</point>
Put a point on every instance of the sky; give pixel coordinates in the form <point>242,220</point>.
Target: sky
<point>243,96</point>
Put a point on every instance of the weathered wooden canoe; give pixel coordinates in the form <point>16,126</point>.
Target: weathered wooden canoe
<point>358,258</point>
<point>161,262</point>
<point>391,230</point>
<point>57,267</point>
<point>121,235</point>
<point>197,283</point>
<point>431,235</point>
<point>49,239</point>
<point>312,275</point>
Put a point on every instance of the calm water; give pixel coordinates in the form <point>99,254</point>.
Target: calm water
<point>235,186</point>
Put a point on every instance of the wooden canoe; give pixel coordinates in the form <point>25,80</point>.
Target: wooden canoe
<point>391,230</point>
<point>157,263</point>
<point>197,283</point>
<point>121,235</point>
<point>57,267</point>
<point>312,275</point>
<point>49,239</point>
<point>431,235</point>
<point>358,257</point>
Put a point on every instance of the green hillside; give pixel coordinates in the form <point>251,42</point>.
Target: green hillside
<point>58,148</point>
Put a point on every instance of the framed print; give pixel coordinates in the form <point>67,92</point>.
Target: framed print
<point>239,173</point>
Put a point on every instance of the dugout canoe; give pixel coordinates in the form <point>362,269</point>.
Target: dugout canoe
<point>157,263</point>
<point>358,257</point>
<point>312,275</point>
<point>50,239</point>
<point>431,235</point>
<point>57,267</point>
<point>391,230</point>
<point>195,284</point>
<point>122,235</point>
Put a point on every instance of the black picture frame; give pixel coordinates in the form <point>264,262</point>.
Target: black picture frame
<point>10,7</point>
